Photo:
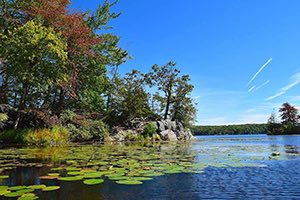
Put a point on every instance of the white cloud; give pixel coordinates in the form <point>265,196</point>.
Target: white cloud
<point>295,80</point>
<point>260,70</point>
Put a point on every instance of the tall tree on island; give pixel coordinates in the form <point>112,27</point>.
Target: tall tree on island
<point>173,93</point>
<point>289,114</point>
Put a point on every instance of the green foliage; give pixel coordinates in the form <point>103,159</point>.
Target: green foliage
<point>230,129</point>
<point>3,117</point>
<point>289,121</point>
<point>67,116</point>
<point>54,136</point>
<point>13,136</point>
<point>131,135</point>
<point>130,100</point>
<point>150,129</point>
<point>89,130</point>
<point>35,59</point>
<point>173,95</point>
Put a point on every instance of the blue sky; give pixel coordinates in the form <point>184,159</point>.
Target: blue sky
<point>221,44</point>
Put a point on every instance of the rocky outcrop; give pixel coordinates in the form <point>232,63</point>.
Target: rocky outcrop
<point>172,130</point>
<point>166,130</point>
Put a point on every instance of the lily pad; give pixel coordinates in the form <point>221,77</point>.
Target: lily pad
<point>29,196</point>
<point>142,178</point>
<point>19,187</point>
<point>93,181</point>
<point>4,176</point>
<point>50,188</point>
<point>93,175</point>
<point>57,169</point>
<point>49,177</point>
<point>118,178</point>
<point>54,174</point>
<point>3,187</point>
<point>36,187</point>
<point>74,173</point>
<point>73,169</point>
<point>71,178</point>
<point>4,191</point>
<point>18,193</point>
<point>129,182</point>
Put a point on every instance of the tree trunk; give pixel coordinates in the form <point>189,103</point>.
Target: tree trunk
<point>115,72</point>
<point>21,105</point>
<point>61,101</point>
<point>3,89</point>
<point>167,105</point>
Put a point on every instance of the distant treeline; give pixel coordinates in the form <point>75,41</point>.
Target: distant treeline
<point>230,129</point>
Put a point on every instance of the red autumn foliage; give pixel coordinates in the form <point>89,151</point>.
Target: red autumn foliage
<point>72,26</point>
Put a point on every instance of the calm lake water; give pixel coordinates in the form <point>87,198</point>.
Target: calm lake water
<point>211,167</point>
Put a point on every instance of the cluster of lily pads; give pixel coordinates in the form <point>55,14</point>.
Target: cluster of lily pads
<point>126,165</point>
<point>25,192</point>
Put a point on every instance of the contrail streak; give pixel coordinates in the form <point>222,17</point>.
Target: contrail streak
<point>260,70</point>
<point>251,89</point>
<point>295,80</point>
<point>262,85</point>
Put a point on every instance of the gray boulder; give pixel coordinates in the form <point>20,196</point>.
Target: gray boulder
<point>160,126</point>
<point>168,135</point>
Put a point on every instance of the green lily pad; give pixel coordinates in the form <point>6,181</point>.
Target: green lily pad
<point>3,187</point>
<point>93,175</point>
<point>50,188</point>
<point>129,182</point>
<point>93,181</point>
<point>57,169</point>
<point>71,178</point>
<point>73,169</point>
<point>29,196</point>
<point>154,174</point>
<point>18,193</point>
<point>140,178</point>
<point>74,173</point>
<point>118,178</point>
<point>36,187</point>
<point>53,174</point>
<point>19,187</point>
<point>3,192</point>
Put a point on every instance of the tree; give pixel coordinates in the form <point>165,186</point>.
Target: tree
<point>183,108</point>
<point>165,78</point>
<point>173,92</point>
<point>272,119</point>
<point>89,52</point>
<point>130,100</point>
<point>35,59</point>
<point>289,114</point>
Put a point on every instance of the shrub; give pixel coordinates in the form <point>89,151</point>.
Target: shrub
<point>150,129</point>
<point>67,116</point>
<point>13,136</point>
<point>54,136</point>
<point>88,130</point>
<point>130,135</point>
<point>3,117</point>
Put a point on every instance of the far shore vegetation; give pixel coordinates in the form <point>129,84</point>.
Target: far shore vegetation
<point>230,129</point>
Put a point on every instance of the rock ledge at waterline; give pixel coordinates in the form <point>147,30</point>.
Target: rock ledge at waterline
<point>166,130</point>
